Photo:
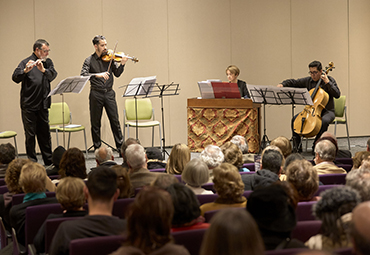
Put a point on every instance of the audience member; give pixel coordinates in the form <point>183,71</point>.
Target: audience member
<point>368,145</point>
<point>213,157</point>
<point>291,158</point>
<point>124,146</point>
<point>358,158</point>
<point>155,158</point>
<point>187,212</point>
<point>195,175</point>
<point>334,209</point>
<point>240,141</point>
<point>71,197</point>
<point>229,187</point>
<point>136,160</point>
<point>104,157</point>
<point>101,192</point>
<point>149,225</point>
<point>325,152</point>
<point>360,229</point>
<point>359,179</point>
<point>233,155</point>
<point>302,175</point>
<point>283,144</point>
<point>123,181</point>
<point>179,157</point>
<point>232,231</point>
<point>163,181</point>
<point>274,212</point>
<point>57,155</point>
<point>340,153</point>
<point>7,154</point>
<point>72,164</point>
<point>271,162</point>
<point>33,182</point>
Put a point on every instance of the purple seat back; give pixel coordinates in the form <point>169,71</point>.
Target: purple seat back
<point>305,229</point>
<point>191,239</point>
<point>18,198</point>
<point>206,198</point>
<point>160,170</point>
<point>120,206</point>
<point>286,251</point>
<point>241,173</point>
<point>250,166</point>
<point>304,211</point>
<point>209,215</point>
<point>247,193</point>
<point>51,227</point>
<point>2,182</point>
<point>346,167</point>
<point>344,251</point>
<point>179,178</point>
<point>101,245</point>
<point>348,161</point>
<point>3,189</point>
<point>325,187</point>
<point>333,178</point>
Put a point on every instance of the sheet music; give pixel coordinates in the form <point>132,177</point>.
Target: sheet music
<point>206,90</point>
<point>74,84</point>
<point>140,86</point>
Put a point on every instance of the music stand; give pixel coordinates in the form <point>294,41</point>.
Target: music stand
<point>73,84</point>
<point>277,96</point>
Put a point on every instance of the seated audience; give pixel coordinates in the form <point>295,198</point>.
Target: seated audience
<point>334,209</point>
<point>123,181</point>
<point>71,197</point>
<point>283,144</point>
<point>360,229</point>
<point>271,163</point>
<point>149,225</point>
<point>101,193</point>
<point>187,212</point>
<point>124,146</point>
<point>233,155</point>
<point>359,157</point>
<point>155,158</point>
<point>359,179</point>
<point>72,164</point>
<point>33,182</point>
<point>232,232</point>
<point>243,146</point>
<point>179,157</point>
<point>340,153</point>
<point>213,157</point>
<point>274,212</point>
<point>163,181</point>
<point>53,169</point>
<point>229,187</point>
<point>104,157</point>
<point>195,175</point>
<point>325,152</point>
<point>302,175</point>
<point>7,154</point>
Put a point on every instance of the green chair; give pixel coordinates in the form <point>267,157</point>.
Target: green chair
<point>340,110</point>
<point>56,122</point>
<point>145,117</point>
<point>10,134</point>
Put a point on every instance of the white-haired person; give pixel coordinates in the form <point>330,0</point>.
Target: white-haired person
<point>212,155</point>
<point>195,175</point>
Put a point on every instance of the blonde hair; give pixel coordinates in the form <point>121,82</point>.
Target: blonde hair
<point>179,157</point>
<point>283,144</point>
<point>233,69</point>
<point>70,193</point>
<point>232,154</point>
<point>33,178</point>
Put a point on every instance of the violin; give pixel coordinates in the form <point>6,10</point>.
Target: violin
<point>117,56</point>
<point>308,122</point>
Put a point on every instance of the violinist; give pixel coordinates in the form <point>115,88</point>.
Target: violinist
<point>328,84</point>
<point>102,94</point>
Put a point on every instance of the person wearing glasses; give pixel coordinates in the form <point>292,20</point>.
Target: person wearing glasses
<point>328,84</point>
<point>35,73</point>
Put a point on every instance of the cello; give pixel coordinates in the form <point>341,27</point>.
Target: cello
<point>308,122</point>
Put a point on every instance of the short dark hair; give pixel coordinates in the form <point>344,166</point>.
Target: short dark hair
<point>97,39</point>
<point>272,160</point>
<point>316,64</point>
<point>38,44</point>
<point>102,183</point>
<point>7,153</point>
<point>185,203</point>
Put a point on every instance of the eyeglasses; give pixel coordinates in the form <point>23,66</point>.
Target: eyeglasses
<point>314,72</point>
<point>45,51</point>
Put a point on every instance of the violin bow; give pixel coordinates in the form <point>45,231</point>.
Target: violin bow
<point>114,52</point>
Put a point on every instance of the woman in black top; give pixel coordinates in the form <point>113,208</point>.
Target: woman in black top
<point>232,73</point>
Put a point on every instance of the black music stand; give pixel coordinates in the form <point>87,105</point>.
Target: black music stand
<point>277,96</point>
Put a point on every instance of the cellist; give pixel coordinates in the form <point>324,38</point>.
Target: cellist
<point>328,84</point>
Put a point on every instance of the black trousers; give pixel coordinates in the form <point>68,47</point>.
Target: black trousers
<point>36,123</point>
<point>327,118</point>
<point>98,101</point>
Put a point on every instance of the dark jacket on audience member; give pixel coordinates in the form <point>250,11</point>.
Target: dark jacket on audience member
<point>262,177</point>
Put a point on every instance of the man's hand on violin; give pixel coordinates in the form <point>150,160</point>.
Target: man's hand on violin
<point>104,75</point>
<point>124,60</point>
<point>324,78</point>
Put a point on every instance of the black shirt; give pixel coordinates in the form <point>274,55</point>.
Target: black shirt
<point>93,65</point>
<point>35,84</point>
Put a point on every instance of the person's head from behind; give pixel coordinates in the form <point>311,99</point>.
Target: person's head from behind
<point>359,179</point>
<point>283,144</point>
<point>291,158</point>
<point>135,157</point>
<point>125,144</point>
<point>240,141</point>
<point>186,205</point>
<point>232,231</point>
<point>325,150</point>
<point>232,154</point>
<point>196,173</point>
<point>70,193</point>
<point>179,157</point>
<point>57,155</point>
<point>303,176</point>
<point>149,219</point>
<point>232,73</point>
<point>212,155</point>
<point>12,175</point>
<point>103,154</point>
<point>73,164</point>
<point>272,160</point>
<point>163,181</point>
<point>101,185</point>
<point>359,157</point>
<point>228,183</point>
<point>154,154</point>
<point>334,204</point>
<point>33,178</point>
<point>7,153</point>
<point>315,68</point>
<point>360,233</point>
<point>123,181</point>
